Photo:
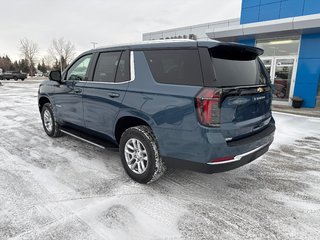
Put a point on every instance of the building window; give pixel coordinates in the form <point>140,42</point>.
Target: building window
<point>280,47</point>
<point>280,59</point>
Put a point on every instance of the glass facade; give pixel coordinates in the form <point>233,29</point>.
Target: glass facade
<point>280,47</point>
<point>280,58</point>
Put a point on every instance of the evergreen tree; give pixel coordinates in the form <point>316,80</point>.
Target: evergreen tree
<point>5,63</point>
<point>43,68</point>
<point>16,66</point>
<point>24,65</point>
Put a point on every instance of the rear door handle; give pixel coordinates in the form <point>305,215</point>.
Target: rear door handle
<point>77,90</point>
<point>114,95</point>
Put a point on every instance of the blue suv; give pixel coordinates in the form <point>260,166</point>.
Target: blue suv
<point>199,105</point>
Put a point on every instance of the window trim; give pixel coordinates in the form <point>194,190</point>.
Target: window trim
<point>131,68</point>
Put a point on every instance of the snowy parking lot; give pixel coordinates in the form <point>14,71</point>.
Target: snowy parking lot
<point>67,189</point>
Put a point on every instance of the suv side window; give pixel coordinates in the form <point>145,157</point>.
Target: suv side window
<point>78,71</point>
<point>123,72</point>
<point>175,66</point>
<point>106,67</point>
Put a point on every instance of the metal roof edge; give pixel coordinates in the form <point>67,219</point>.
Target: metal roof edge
<point>295,25</point>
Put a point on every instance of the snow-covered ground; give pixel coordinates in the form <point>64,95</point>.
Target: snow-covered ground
<point>66,189</point>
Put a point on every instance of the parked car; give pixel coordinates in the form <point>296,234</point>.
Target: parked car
<point>38,74</point>
<point>13,75</point>
<point>200,105</point>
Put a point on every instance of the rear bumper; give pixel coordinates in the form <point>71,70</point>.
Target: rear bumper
<point>238,161</point>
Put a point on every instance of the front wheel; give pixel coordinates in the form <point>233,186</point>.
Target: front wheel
<point>140,154</point>
<point>49,123</point>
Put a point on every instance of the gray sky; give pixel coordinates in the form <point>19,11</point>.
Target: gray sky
<point>102,21</point>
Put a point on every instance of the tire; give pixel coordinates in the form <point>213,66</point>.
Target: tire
<point>15,78</point>
<point>138,146</point>
<point>50,125</point>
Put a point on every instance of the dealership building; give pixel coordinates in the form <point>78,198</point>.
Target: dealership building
<point>289,33</point>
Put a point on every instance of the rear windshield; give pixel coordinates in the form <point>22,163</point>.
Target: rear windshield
<point>236,67</point>
<point>175,66</point>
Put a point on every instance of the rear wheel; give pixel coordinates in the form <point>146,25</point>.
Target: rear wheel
<point>140,154</point>
<point>15,78</point>
<point>50,125</point>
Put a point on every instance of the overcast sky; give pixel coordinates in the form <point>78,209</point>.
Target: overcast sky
<point>102,21</point>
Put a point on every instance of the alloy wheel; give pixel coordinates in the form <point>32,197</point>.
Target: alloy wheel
<point>136,156</point>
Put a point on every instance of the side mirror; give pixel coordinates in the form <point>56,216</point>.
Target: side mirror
<point>55,75</point>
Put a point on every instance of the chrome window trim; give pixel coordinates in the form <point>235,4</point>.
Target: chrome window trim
<point>132,69</point>
<point>132,72</point>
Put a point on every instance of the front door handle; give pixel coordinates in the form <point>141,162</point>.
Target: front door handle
<point>78,90</point>
<point>114,95</point>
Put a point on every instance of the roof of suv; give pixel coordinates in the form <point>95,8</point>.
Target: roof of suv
<point>177,43</point>
<point>156,44</point>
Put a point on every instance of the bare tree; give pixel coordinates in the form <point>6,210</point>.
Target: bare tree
<point>29,50</point>
<point>48,60</point>
<point>62,51</point>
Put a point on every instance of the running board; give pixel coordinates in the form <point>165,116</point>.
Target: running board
<point>97,142</point>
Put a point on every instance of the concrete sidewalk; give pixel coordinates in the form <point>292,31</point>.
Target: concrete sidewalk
<point>310,112</point>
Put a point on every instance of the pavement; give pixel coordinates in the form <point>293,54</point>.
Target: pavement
<point>66,189</point>
<point>310,112</point>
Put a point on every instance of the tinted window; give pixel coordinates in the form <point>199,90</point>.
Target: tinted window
<point>123,72</point>
<point>78,70</point>
<point>175,66</point>
<point>233,67</point>
<point>235,73</point>
<point>106,67</point>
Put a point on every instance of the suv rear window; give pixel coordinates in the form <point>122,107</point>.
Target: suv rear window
<point>237,73</point>
<point>235,66</point>
<point>175,66</point>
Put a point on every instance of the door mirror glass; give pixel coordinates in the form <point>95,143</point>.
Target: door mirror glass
<point>55,75</point>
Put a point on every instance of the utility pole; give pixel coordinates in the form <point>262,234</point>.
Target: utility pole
<point>94,44</point>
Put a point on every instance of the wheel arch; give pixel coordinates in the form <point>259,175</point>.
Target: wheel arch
<point>127,121</point>
<point>43,100</point>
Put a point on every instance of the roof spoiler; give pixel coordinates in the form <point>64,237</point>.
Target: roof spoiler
<point>234,51</point>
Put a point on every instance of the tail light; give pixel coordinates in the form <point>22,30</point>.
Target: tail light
<point>208,106</point>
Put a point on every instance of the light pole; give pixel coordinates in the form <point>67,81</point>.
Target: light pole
<point>61,64</point>
<point>94,44</point>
